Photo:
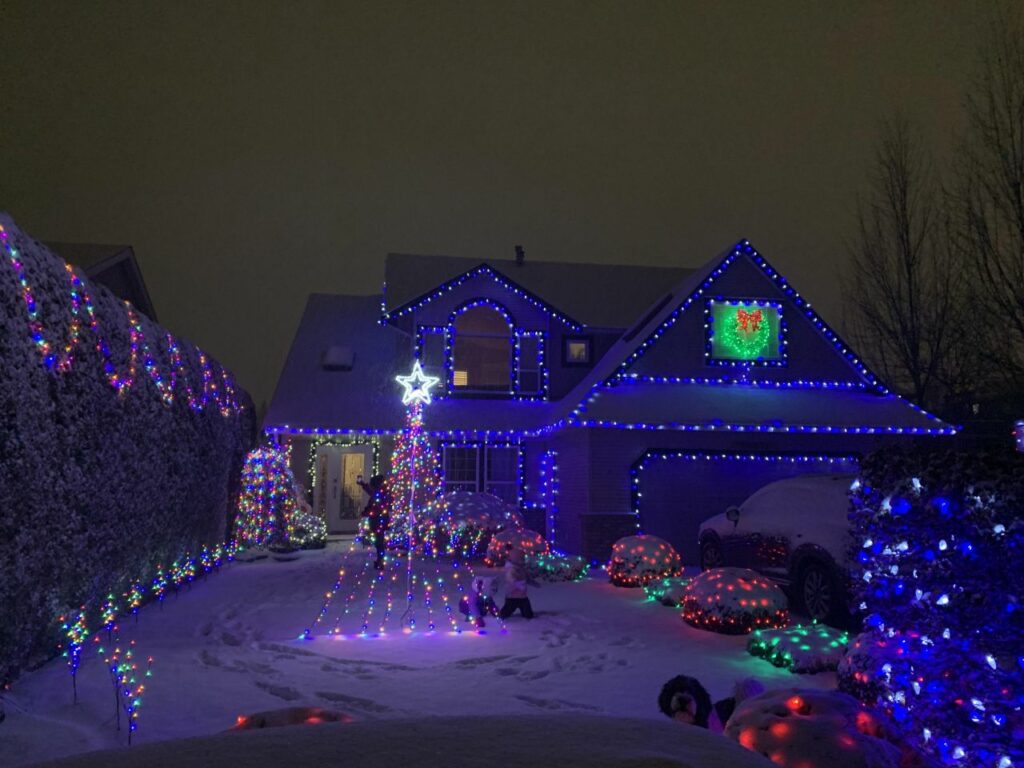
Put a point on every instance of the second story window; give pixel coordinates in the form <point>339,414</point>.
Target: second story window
<point>481,351</point>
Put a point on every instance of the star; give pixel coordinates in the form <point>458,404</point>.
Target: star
<point>417,386</point>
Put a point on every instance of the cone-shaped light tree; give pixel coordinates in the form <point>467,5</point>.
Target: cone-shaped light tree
<point>414,486</point>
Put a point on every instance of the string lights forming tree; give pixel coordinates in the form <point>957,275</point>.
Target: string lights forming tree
<point>369,600</point>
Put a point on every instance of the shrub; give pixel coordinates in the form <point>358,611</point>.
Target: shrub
<point>734,601</point>
<point>638,560</point>
<point>938,542</point>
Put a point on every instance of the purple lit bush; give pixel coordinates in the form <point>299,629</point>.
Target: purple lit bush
<point>98,486</point>
<point>939,542</point>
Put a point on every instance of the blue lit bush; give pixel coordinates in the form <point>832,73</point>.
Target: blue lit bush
<point>939,547</point>
<point>97,487</point>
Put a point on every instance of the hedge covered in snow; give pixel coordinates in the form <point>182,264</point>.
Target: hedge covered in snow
<point>120,447</point>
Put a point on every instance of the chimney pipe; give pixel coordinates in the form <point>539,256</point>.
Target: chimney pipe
<point>520,255</point>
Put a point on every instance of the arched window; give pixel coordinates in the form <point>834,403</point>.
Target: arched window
<point>482,351</point>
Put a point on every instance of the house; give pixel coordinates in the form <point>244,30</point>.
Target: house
<point>601,399</point>
<point>113,266</point>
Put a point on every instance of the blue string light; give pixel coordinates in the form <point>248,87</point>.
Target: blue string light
<point>636,471</point>
<point>483,270</point>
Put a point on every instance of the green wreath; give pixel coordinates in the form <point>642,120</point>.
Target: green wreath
<point>745,333</point>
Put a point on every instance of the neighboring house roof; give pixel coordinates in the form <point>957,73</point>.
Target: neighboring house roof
<point>598,295</point>
<point>114,266</point>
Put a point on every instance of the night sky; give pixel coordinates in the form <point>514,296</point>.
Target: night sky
<point>253,153</point>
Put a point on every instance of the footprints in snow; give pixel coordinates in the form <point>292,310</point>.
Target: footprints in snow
<point>354,702</point>
<point>280,691</point>
<point>554,704</point>
<point>593,663</point>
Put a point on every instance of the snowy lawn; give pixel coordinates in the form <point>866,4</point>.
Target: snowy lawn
<point>229,647</point>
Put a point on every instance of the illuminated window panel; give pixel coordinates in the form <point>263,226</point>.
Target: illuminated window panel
<point>742,332</point>
<point>460,378</point>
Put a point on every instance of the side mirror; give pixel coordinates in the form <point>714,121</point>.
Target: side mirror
<point>732,514</point>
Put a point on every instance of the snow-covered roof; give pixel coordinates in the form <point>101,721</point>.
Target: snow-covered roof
<point>739,407</point>
<point>598,295</point>
<point>309,397</point>
<point>366,398</point>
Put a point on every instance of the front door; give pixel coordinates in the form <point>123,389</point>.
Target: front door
<point>336,495</point>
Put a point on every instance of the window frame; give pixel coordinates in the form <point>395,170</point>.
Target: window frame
<point>586,339</point>
<point>482,465</point>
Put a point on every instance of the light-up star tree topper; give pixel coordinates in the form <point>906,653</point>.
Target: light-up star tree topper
<point>417,386</point>
<point>414,485</point>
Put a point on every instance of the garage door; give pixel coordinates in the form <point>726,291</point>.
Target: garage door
<point>674,492</point>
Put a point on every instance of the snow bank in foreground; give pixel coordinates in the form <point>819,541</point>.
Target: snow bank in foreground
<point>565,740</point>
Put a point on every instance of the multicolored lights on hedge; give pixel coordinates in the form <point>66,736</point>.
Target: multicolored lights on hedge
<point>217,388</point>
<point>75,631</point>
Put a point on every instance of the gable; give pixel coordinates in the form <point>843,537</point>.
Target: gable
<point>524,310</point>
<point>800,347</point>
<point>676,381</point>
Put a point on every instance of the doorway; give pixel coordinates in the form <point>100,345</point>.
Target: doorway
<point>337,496</point>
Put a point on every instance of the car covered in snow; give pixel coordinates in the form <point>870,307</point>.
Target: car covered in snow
<point>796,532</point>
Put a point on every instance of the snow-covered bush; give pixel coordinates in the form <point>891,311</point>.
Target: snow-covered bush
<point>861,672</point>
<point>794,726</point>
<point>801,649</point>
<point>470,519</point>
<point>938,543</point>
<point>638,560</point>
<point>278,718</point>
<point>118,451</point>
<point>553,566</point>
<point>308,530</point>
<point>531,542</point>
<point>670,591</point>
<point>734,601</point>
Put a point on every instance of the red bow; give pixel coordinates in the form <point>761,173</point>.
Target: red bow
<point>749,321</point>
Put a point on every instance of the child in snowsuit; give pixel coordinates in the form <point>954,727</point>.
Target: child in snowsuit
<point>515,586</point>
<point>482,603</point>
<point>376,513</point>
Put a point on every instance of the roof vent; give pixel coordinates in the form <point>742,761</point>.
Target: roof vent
<point>337,359</point>
<point>520,255</point>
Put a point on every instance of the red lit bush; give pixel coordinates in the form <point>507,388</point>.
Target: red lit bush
<point>807,727</point>
<point>734,601</point>
<point>638,560</point>
<point>531,542</point>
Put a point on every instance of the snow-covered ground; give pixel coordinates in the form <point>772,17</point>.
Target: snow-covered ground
<point>228,647</point>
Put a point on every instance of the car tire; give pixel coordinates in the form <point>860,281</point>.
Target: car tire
<point>710,555</point>
<point>819,594</point>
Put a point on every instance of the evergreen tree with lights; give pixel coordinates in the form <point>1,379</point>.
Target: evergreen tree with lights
<point>267,503</point>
